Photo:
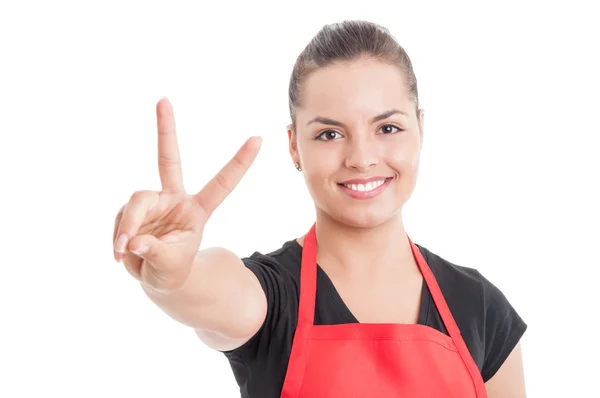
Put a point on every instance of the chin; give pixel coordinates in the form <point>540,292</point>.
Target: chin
<point>366,213</point>
<point>365,217</point>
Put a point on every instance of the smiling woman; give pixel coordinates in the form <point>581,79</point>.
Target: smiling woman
<point>353,308</point>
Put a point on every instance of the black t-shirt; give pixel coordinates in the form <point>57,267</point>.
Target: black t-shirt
<point>489,325</point>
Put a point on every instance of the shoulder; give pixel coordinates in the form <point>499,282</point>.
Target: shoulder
<point>284,257</point>
<point>489,323</point>
<point>278,272</point>
<point>280,265</point>
<point>259,365</point>
<point>460,282</point>
<point>454,280</point>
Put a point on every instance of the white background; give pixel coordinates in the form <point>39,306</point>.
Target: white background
<point>508,182</point>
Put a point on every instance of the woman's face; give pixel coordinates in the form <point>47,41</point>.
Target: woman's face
<point>358,141</point>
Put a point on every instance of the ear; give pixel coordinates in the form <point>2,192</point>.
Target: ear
<point>293,147</point>
<point>421,125</point>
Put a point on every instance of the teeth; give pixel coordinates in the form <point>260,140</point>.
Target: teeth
<point>365,187</point>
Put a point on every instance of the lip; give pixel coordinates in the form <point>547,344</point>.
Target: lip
<point>363,180</point>
<point>369,194</point>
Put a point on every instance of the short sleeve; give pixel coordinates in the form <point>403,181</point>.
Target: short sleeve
<point>271,277</point>
<point>503,329</point>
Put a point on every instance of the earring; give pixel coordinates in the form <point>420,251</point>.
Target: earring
<point>298,166</point>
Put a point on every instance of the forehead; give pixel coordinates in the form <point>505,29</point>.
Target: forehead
<point>363,87</point>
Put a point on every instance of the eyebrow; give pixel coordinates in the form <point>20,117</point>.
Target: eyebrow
<point>331,122</point>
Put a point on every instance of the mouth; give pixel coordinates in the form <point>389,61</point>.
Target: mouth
<point>363,189</point>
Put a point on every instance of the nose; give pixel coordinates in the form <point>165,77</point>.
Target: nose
<point>361,154</point>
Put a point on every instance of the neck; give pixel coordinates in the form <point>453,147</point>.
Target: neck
<point>362,252</point>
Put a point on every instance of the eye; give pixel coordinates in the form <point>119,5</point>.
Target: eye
<point>328,135</point>
<point>389,129</point>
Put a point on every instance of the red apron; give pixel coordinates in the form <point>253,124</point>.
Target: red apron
<point>377,360</point>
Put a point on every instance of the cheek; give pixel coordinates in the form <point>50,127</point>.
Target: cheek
<point>404,159</point>
<point>319,177</point>
<point>320,165</point>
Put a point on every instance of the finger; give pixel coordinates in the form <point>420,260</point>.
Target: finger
<point>115,230</point>
<point>169,161</point>
<point>217,189</point>
<point>133,217</point>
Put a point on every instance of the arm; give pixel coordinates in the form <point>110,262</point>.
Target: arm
<point>502,330</point>
<point>157,236</point>
<point>509,381</point>
<point>221,300</point>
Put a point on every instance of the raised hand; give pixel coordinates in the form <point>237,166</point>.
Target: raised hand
<point>157,234</point>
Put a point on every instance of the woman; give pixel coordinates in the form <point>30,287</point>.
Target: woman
<point>379,316</point>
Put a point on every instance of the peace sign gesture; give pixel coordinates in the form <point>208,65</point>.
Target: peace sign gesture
<point>157,234</point>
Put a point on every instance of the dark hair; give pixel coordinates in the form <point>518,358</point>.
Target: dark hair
<point>349,41</point>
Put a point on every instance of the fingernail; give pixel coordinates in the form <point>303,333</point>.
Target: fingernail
<point>257,141</point>
<point>141,250</point>
<point>121,243</point>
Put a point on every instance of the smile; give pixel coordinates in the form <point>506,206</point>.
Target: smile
<point>365,189</point>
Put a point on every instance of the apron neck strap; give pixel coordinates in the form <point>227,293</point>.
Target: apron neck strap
<point>308,284</point>
<point>308,279</point>
<point>436,292</point>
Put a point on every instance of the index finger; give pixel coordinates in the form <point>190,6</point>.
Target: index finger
<point>169,161</point>
<point>217,189</point>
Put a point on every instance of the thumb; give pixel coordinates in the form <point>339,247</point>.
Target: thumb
<point>159,254</point>
<point>165,270</point>
<point>147,247</point>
